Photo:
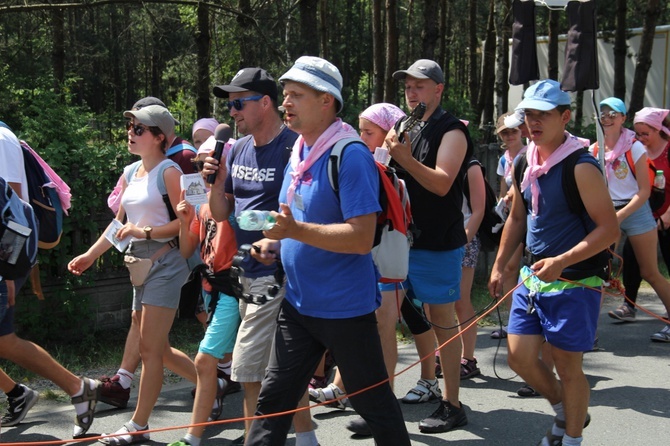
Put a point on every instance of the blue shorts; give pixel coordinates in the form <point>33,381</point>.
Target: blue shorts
<point>434,276</point>
<point>639,222</point>
<point>222,330</point>
<point>565,314</point>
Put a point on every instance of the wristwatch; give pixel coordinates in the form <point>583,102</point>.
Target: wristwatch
<point>147,232</point>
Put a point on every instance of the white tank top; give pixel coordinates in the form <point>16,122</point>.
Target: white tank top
<point>143,202</point>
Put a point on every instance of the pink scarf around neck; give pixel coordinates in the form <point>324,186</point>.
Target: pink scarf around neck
<point>338,130</point>
<point>535,170</point>
<point>623,144</point>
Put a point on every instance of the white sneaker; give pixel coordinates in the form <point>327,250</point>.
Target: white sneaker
<point>422,392</point>
<point>328,393</point>
<point>663,335</point>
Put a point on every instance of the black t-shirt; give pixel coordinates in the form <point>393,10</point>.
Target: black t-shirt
<point>439,220</point>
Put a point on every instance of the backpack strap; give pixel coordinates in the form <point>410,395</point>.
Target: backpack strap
<point>335,160</point>
<point>160,182</point>
<point>520,165</point>
<point>179,147</point>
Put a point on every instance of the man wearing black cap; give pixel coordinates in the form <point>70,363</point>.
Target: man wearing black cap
<point>251,179</point>
<point>431,160</point>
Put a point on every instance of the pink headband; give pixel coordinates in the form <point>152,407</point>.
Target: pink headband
<point>384,115</point>
<point>653,117</point>
<point>205,123</point>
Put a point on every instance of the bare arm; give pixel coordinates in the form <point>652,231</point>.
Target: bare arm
<point>221,204</point>
<point>477,200</point>
<point>450,156</point>
<point>594,194</point>
<point>512,235</point>
<point>354,236</point>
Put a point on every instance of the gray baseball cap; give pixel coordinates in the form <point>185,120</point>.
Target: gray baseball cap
<point>153,116</point>
<point>422,69</point>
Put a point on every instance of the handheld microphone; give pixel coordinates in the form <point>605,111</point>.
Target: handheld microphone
<point>222,134</point>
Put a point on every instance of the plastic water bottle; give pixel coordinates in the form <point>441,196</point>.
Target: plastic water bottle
<point>659,180</point>
<point>253,220</point>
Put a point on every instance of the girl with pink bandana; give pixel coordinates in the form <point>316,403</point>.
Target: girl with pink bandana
<point>652,128</point>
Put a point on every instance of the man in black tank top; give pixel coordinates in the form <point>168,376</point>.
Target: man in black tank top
<point>431,160</point>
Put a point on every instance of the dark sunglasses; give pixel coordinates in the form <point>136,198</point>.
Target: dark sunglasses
<point>197,165</point>
<point>238,104</point>
<point>138,129</point>
<point>610,114</point>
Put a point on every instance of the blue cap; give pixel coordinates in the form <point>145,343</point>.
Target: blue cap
<point>615,104</point>
<point>544,95</point>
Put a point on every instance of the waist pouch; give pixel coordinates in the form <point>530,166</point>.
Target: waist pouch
<point>139,268</point>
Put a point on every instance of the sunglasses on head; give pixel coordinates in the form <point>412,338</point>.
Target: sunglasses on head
<point>610,114</point>
<point>197,165</point>
<point>238,104</point>
<point>138,129</point>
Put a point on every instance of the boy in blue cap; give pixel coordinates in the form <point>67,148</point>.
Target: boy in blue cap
<point>560,243</point>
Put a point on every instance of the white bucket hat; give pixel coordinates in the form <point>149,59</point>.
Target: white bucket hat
<point>318,74</point>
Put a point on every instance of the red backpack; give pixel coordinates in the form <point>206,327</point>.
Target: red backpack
<point>394,231</point>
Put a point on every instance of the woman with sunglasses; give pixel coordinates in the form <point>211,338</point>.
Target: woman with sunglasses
<point>652,128</point>
<point>630,190</point>
<point>153,235</point>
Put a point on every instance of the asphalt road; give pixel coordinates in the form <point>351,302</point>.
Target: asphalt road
<point>630,400</point>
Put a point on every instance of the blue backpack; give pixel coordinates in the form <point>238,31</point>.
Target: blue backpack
<point>18,234</point>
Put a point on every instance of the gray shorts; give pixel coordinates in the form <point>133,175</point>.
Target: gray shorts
<point>256,333</point>
<point>162,287</point>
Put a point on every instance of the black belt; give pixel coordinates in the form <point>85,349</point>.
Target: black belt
<point>597,265</point>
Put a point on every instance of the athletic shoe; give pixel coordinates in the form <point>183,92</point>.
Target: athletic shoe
<point>499,333</point>
<point>359,427</point>
<point>328,393</point>
<point>181,442</point>
<point>423,391</point>
<point>113,393</point>
<point>318,382</point>
<point>445,418</point>
<point>527,391</point>
<point>624,313</point>
<point>663,335</point>
<point>469,368</point>
<point>19,406</point>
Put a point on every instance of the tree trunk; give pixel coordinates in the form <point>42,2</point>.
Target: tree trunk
<point>473,83</point>
<point>504,32</point>
<point>484,111</point>
<point>248,53</point>
<point>202,41</point>
<point>308,19</point>
<point>579,112</point>
<point>620,50</point>
<point>429,33</point>
<point>324,28</point>
<point>377,51</point>
<point>58,50</point>
<point>552,56</point>
<point>391,88</point>
<point>444,47</point>
<point>653,11</point>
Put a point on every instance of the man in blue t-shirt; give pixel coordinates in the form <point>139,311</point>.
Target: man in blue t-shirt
<point>251,180</point>
<point>331,290</point>
<point>562,241</point>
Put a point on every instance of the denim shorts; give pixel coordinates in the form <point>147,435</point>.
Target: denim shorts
<point>220,334</point>
<point>434,276</point>
<point>564,313</point>
<point>639,222</point>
